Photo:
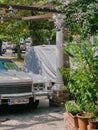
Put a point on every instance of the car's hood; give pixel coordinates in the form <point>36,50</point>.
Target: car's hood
<point>14,76</point>
<point>20,76</point>
<point>37,78</point>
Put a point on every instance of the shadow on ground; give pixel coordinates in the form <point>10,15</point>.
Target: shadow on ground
<point>23,117</point>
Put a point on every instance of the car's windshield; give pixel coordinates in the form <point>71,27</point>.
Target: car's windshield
<point>6,65</point>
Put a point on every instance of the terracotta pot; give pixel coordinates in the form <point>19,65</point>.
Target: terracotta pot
<point>82,121</point>
<point>73,119</point>
<point>93,124</point>
<point>70,121</point>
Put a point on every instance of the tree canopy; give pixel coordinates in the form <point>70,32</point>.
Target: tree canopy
<point>39,31</point>
<point>80,17</point>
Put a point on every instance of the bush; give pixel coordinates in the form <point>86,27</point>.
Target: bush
<point>72,108</point>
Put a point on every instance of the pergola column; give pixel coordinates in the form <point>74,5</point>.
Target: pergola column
<point>59,60</point>
<point>60,95</point>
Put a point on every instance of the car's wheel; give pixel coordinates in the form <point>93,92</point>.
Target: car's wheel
<point>51,103</point>
<point>33,103</point>
<point>36,103</point>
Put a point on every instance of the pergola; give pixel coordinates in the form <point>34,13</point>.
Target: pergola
<point>16,8</point>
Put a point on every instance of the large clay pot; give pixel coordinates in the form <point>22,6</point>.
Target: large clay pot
<point>70,121</point>
<point>93,124</point>
<point>73,119</point>
<point>82,121</point>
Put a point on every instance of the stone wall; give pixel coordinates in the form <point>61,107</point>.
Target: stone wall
<point>59,98</point>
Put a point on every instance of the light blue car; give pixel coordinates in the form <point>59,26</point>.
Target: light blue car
<point>19,87</point>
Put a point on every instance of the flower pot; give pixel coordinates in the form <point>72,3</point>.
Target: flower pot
<point>93,123</point>
<point>82,121</point>
<point>70,121</point>
<point>73,119</point>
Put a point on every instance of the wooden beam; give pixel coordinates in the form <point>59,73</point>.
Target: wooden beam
<point>2,11</point>
<point>38,17</point>
<point>46,6</point>
<point>33,8</point>
<point>30,18</point>
<point>7,18</point>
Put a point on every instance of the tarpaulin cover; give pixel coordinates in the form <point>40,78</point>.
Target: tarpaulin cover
<point>41,60</point>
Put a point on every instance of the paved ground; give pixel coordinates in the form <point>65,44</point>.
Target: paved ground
<point>23,118</point>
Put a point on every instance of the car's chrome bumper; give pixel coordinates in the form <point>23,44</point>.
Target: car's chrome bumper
<point>15,95</point>
<point>12,99</point>
<point>42,95</point>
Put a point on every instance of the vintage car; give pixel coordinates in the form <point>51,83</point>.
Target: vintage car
<point>19,87</point>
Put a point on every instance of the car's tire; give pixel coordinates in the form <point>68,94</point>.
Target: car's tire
<point>36,103</point>
<point>51,103</point>
<point>33,103</point>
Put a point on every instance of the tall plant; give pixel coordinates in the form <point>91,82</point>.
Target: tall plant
<point>82,75</point>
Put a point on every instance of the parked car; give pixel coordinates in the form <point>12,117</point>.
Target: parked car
<point>19,87</point>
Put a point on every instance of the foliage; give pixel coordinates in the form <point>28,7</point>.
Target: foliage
<point>13,31</point>
<point>72,108</point>
<point>25,2</point>
<point>92,110</point>
<point>41,32</point>
<point>16,30</point>
<point>81,16</point>
<point>82,75</point>
<point>4,36</point>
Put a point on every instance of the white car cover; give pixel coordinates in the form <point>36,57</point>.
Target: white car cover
<point>41,60</point>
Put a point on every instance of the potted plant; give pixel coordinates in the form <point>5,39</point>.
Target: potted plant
<point>92,113</point>
<point>93,123</point>
<point>82,74</point>
<point>71,112</point>
<point>89,116</point>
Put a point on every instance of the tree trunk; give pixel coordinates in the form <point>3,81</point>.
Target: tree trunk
<point>18,52</point>
<point>0,47</point>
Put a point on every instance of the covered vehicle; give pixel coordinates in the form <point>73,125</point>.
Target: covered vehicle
<point>18,87</point>
<point>41,60</point>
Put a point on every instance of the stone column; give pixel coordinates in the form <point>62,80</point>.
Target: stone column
<point>59,60</point>
<point>60,95</point>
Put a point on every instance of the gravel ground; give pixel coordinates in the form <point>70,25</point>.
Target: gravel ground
<point>26,118</point>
